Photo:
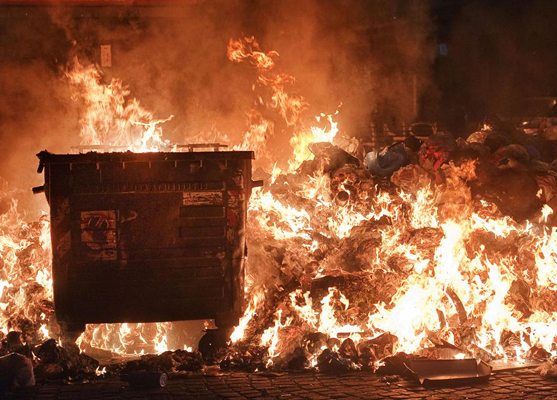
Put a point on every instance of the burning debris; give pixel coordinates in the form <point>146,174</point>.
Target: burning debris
<point>440,249</point>
<point>21,364</point>
<point>26,281</point>
<point>453,249</point>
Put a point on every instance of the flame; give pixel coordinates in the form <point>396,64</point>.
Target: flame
<point>289,106</point>
<point>302,139</point>
<point>270,338</point>
<point>434,262</point>
<point>128,339</point>
<point>25,275</point>
<point>248,48</point>
<point>423,294</point>
<point>116,122</point>
<point>546,212</point>
<point>545,253</point>
<point>467,287</point>
<point>110,118</point>
<point>239,330</point>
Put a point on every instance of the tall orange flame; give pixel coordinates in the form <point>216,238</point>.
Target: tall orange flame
<point>110,118</point>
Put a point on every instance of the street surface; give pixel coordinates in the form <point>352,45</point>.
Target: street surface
<point>357,385</point>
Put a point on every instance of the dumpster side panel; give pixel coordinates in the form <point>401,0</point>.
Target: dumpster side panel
<point>148,239</point>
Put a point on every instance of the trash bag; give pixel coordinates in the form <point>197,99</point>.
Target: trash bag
<point>548,186</point>
<point>331,157</point>
<point>495,141</point>
<point>435,151</point>
<point>466,151</point>
<point>478,137</point>
<point>533,151</point>
<point>515,192</point>
<point>510,156</point>
<point>495,123</point>
<point>412,143</point>
<point>16,371</point>
<point>550,133</point>
<point>387,161</point>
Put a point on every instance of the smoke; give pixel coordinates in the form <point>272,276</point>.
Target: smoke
<point>498,54</point>
<point>173,59</point>
<point>364,55</point>
<point>35,110</point>
<point>367,57</point>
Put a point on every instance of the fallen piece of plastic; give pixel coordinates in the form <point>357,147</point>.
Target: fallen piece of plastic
<point>467,371</point>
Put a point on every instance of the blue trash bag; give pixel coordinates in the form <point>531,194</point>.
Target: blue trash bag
<point>387,161</point>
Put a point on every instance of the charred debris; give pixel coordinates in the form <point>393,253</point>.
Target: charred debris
<point>514,171</point>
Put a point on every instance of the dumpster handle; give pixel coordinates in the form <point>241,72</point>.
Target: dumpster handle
<point>38,189</point>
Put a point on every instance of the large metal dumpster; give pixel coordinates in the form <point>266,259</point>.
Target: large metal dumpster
<point>145,237</point>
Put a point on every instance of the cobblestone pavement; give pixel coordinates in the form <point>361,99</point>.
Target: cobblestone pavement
<point>358,385</point>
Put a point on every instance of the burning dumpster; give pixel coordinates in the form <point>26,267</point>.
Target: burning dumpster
<point>146,237</point>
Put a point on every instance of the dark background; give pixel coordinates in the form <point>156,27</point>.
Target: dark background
<point>499,52</point>
<point>379,58</point>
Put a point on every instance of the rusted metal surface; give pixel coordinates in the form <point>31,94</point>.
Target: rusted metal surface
<point>145,237</point>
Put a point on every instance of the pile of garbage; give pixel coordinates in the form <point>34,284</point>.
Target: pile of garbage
<point>498,170</point>
<point>511,173</point>
<point>510,169</point>
<point>511,166</point>
<point>23,364</point>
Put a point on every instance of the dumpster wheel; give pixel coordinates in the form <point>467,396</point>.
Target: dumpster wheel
<point>213,342</point>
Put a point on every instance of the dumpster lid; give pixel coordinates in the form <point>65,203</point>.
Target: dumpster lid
<point>46,157</point>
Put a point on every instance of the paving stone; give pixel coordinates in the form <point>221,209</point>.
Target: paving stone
<point>362,385</point>
<point>314,396</point>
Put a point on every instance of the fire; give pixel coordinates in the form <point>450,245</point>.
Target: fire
<point>464,286</point>
<point>116,122</point>
<point>270,338</point>
<point>302,139</point>
<point>240,50</point>
<point>422,262</point>
<point>289,106</point>
<point>545,254</point>
<point>325,321</point>
<point>439,289</point>
<point>239,331</point>
<point>127,339</point>
<point>25,275</point>
<point>111,119</point>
